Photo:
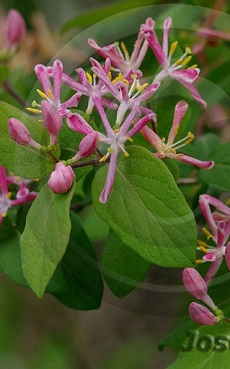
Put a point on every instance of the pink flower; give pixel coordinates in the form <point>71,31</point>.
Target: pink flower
<point>164,55</point>
<point>20,133</point>
<point>119,55</point>
<point>87,146</point>
<point>202,315</point>
<point>61,179</point>
<point>219,224</point>
<point>52,120</point>
<point>169,149</point>
<point>15,29</point>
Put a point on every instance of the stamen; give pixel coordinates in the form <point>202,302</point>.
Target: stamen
<point>188,50</point>
<point>141,88</point>
<point>50,94</point>
<point>104,158</point>
<point>173,47</point>
<point>41,93</point>
<point>179,62</point>
<point>199,261</point>
<point>193,66</point>
<point>110,76</point>
<point>202,243</point>
<point>206,251</point>
<point>9,195</point>
<point>32,110</point>
<point>3,215</point>
<point>129,139</point>
<point>89,77</point>
<point>126,154</point>
<point>207,233</point>
<point>125,51</point>
<point>116,130</point>
<point>186,61</point>
<point>34,103</point>
<point>110,150</point>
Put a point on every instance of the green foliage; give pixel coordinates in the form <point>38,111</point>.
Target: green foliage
<point>147,211</point>
<point>122,268</point>
<point>45,238</point>
<point>23,160</point>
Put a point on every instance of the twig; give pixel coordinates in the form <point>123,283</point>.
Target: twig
<point>14,93</point>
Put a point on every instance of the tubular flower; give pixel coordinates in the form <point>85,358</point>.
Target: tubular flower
<point>22,196</point>
<point>53,94</point>
<point>169,149</point>
<point>61,179</point>
<point>125,92</point>
<point>176,69</point>
<point>219,224</point>
<point>119,54</point>
<point>20,133</point>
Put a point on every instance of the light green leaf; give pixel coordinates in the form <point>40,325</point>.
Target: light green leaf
<point>211,349</point>
<point>122,268</point>
<point>23,160</point>
<point>45,238</point>
<point>147,211</point>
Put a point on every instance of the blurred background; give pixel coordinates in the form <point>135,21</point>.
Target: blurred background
<point>44,334</point>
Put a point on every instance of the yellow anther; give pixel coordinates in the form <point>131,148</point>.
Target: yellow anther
<point>17,179</point>
<point>116,130</point>
<point>227,202</point>
<point>104,158</point>
<point>203,249</point>
<point>125,51</point>
<point>110,76</point>
<point>50,94</point>
<point>40,120</point>
<point>116,43</point>
<point>32,110</point>
<point>191,138</point>
<point>187,60</point>
<point>176,130</point>
<point>179,62</point>
<point>110,150</point>
<point>163,139</point>
<point>36,179</point>
<point>202,243</point>
<point>141,88</point>
<point>207,233</point>
<point>173,47</point>
<point>199,261</point>
<point>3,215</point>
<point>180,154</point>
<point>126,154</point>
<point>89,77</point>
<point>188,50</point>
<point>126,82</point>
<point>134,75</point>
<point>172,150</point>
<point>41,93</point>
<point>9,195</point>
<point>193,66</point>
<point>112,69</point>
<point>129,139</point>
<point>33,104</point>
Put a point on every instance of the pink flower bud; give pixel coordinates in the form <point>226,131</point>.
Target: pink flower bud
<point>20,133</point>
<point>61,178</point>
<point>15,28</point>
<point>51,117</point>
<point>201,315</point>
<point>194,283</point>
<point>87,146</point>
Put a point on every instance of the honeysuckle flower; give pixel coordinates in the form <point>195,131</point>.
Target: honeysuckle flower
<point>119,54</point>
<point>219,224</point>
<point>169,149</point>
<point>164,55</point>
<point>20,133</point>
<point>61,179</point>
<point>197,287</point>
<point>86,147</point>
<point>23,195</point>
<point>125,92</point>
<point>15,29</point>
<point>53,93</point>
<point>202,315</point>
<point>52,120</point>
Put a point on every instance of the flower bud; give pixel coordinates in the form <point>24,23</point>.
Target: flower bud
<point>87,146</point>
<point>15,29</point>
<point>194,283</point>
<point>20,133</point>
<point>61,178</point>
<point>51,117</point>
<point>201,315</point>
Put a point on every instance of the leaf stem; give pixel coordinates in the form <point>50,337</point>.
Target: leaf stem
<point>11,91</point>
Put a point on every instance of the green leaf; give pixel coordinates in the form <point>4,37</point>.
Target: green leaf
<point>122,268</point>
<point>147,211</point>
<point>77,281</point>
<point>178,335</point>
<point>211,349</point>
<point>4,72</point>
<point>219,176</point>
<point>23,160</point>
<point>45,238</point>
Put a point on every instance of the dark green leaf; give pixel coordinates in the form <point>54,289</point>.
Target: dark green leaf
<point>147,211</point>
<point>45,238</point>
<point>122,268</point>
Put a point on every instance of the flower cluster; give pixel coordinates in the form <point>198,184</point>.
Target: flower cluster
<point>219,225</point>
<point>117,85</point>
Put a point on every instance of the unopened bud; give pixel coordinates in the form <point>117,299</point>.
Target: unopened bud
<point>20,133</point>
<point>61,178</point>
<point>51,117</point>
<point>194,283</point>
<point>15,29</point>
<point>87,146</point>
<point>201,314</point>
